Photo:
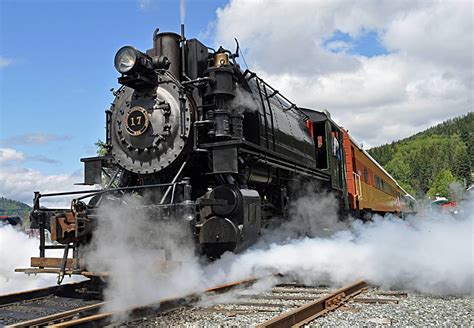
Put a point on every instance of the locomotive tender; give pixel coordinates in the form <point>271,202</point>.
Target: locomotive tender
<point>214,146</point>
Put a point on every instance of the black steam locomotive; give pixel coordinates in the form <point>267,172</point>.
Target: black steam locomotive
<point>207,142</point>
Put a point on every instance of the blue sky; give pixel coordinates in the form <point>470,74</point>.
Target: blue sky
<point>366,43</point>
<point>61,69</point>
<point>56,86</point>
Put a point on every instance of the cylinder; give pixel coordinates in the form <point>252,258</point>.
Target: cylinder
<point>167,44</point>
<point>259,174</point>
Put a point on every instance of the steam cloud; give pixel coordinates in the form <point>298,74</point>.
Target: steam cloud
<point>427,252</point>
<point>16,248</point>
<point>130,244</point>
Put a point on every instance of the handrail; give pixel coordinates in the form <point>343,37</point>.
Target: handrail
<point>102,191</point>
<point>360,187</point>
<point>355,184</point>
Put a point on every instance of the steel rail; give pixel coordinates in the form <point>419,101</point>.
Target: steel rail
<point>61,316</point>
<point>101,319</point>
<point>26,295</point>
<point>310,311</point>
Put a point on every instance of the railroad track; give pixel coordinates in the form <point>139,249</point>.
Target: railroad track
<point>284,305</point>
<point>71,305</point>
<point>45,306</point>
<point>164,305</point>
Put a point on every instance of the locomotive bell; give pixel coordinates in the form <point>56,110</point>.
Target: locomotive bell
<point>221,59</point>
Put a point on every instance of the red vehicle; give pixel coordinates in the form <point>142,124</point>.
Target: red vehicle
<point>445,205</point>
<point>10,220</point>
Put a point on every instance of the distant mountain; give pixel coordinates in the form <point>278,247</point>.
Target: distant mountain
<point>14,208</point>
<point>428,162</point>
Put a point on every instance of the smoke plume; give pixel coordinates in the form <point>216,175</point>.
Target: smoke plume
<point>182,10</point>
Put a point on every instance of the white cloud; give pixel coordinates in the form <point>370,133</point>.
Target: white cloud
<point>338,46</point>
<point>424,79</point>
<point>4,62</point>
<point>34,139</point>
<point>144,4</point>
<point>10,155</point>
<point>20,183</point>
<point>442,33</point>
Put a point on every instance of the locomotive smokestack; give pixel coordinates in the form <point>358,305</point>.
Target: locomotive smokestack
<point>167,44</point>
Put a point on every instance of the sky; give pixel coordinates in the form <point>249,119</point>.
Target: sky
<point>384,69</point>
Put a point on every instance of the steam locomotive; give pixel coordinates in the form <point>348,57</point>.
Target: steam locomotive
<point>214,146</point>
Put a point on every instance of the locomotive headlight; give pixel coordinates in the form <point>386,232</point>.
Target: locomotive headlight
<point>127,60</point>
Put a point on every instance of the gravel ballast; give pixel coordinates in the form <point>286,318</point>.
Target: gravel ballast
<point>412,310</point>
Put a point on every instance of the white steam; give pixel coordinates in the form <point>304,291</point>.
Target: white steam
<point>429,252</point>
<point>313,213</point>
<point>16,249</point>
<point>130,245</point>
<point>182,10</point>
<point>243,101</point>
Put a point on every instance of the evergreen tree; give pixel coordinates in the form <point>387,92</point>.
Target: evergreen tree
<point>416,162</point>
<point>440,185</point>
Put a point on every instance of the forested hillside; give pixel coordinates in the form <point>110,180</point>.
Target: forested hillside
<point>13,208</point>
<point>429,161</point>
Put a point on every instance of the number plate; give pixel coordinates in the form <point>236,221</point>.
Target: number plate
<point>136,121</point>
